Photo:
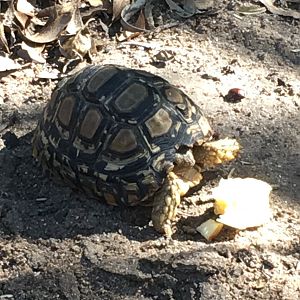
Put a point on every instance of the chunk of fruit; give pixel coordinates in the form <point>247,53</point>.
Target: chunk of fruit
<point>209,229</point>
<point>242,203</point>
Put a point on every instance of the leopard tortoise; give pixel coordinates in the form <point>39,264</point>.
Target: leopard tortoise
<point>128,137</point>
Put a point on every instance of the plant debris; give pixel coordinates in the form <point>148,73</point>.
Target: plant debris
<point>280,11</point>
<point>35,30</point>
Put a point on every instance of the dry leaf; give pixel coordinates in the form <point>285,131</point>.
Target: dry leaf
<point>163,55</point>
<point>23,6</point>
<point>34,51</point>
<point>180,11</point>
<point>148,15</point>
<point>79,45</point>
<point>204,4</point>
<point>22,18</point>
<point>7,64</point>
<point>189,7</point>
<point>251,10</point>
<point>3,41</point>
<point>140,22</point>
<point>118,6</point>
<point>280,11</point>
<point>75,23</point>
<point>127,35</point>
<point>59,17</point>
<point>129,12</point>
<point>95,3</point>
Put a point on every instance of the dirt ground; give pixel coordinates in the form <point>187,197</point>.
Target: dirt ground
<point>56,244</point>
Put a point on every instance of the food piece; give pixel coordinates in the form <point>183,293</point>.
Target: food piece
<point>210,229</point>
<point>242,203</point>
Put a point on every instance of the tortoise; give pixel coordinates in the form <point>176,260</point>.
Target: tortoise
<point>128,137</point>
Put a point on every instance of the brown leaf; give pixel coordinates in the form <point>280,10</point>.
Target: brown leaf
<point>22,18</point>
<point>75,23</point>
<point>148,15</point>
<point>128,14</point>
<point>34,51</point>
<point>118,6</point>
<point>280,11</point>
<point>26,8</point>
<point>108,6</point>
<point>140,22</point>
<point>204,4</point>
<point>95,3</point>
<point>59,17</point>
<point>77,46</point>
<point>3,41</point>
<point>127,35</point>
<point>190,7</point>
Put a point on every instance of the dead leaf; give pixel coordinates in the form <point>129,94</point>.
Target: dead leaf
<point>180,11</point>
<point>129,12</point>
<point>148,14</point>
<point>251,10</point>
<point>59,17</point>
<point>164,55</point>
<point>75,23</point>
<point>3,41</point>
<point>189,7</point>
<point>34,51</point>
<point>79,45</point>
<point>22,18</point>
<point>140,22</point>
<point>7,64</point>
<point>92,11</point>
<point>204,4</point>
<point>26,8</point>
<point>280,11</point>
<point>118,6</point>
<point>127,35</point>
<point>95,3</point>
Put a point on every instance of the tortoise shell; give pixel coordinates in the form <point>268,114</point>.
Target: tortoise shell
<point>113,132</point>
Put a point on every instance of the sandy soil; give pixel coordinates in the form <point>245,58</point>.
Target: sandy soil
<point>56,244</point>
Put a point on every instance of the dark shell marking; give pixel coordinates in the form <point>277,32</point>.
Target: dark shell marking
<point>112,132</point>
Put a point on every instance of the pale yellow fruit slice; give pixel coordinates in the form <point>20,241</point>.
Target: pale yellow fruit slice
<point>242,203</point>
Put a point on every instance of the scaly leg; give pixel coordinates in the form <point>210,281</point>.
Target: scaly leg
<point>167,199</point>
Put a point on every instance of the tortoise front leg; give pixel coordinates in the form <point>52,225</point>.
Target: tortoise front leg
<point>167,198</point>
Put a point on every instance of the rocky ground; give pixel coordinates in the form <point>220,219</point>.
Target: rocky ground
<point>56,244</point>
